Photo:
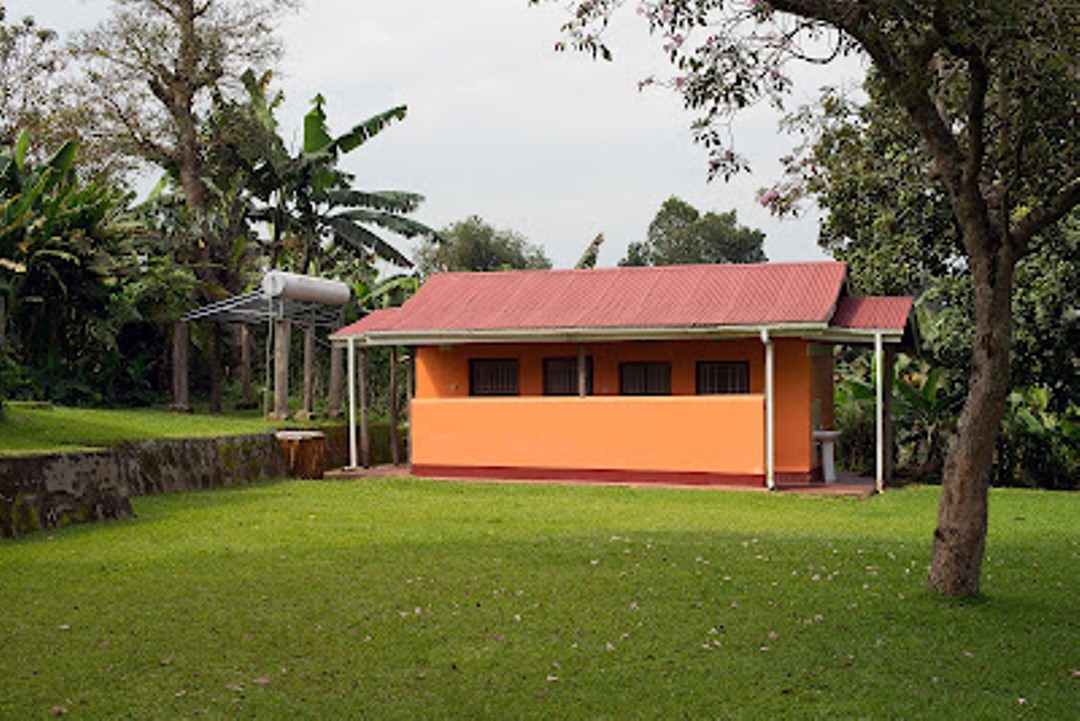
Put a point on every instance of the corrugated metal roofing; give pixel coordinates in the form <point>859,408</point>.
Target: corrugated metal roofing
<point>672,296</point>
<point>872,312</point>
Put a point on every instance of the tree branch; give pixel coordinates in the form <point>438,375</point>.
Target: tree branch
<point>1054,209</point>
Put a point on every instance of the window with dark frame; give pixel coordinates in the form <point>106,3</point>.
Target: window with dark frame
<point>723,377</point>
<point>561,376</point>
<point>645,379</point>
<point>493,377</point>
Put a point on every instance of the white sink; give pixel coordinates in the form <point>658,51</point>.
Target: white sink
<point>827,439</point>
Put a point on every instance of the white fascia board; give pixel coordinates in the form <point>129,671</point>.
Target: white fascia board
<point>579,335</point>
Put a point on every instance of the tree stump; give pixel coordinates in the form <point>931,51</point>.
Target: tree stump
<point>305,453</point>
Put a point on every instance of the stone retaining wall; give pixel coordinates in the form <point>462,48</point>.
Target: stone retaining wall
<point>47,491</point>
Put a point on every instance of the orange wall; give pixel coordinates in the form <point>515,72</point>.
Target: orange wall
<point>443,371</point>
<point>717,434</point>
<point>803,374</point>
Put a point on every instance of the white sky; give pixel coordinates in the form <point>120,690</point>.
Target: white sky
<point>552,145</point>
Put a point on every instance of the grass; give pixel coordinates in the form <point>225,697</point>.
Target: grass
<point>414,599</point>
<point>41,428</point>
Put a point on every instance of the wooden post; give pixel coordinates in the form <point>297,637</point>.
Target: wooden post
<point>365,426</point>
<point>180,358</point>
<point>247,400</point>
<point>395,453</point>
<point>889,459</point>
<point>282,339</point>
<point>214,360</point>
<point>582,372</point>
<point>307,411</point>
<point>333,409</point>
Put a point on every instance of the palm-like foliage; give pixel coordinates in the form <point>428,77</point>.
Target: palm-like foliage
<point>310,203</point>
<point>57,243</point>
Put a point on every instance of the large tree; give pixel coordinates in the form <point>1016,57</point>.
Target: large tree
<point>153,70</point>
<point>992,89</point>
<point>474,245</point>
<point>887,216</point>
<point>30,62</point>
<point>680,235</point>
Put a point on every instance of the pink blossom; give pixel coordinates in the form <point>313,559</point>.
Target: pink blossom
<point>769,197</point>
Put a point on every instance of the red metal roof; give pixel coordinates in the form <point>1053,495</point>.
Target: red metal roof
<point>687,296</point>
<point>872,312</point>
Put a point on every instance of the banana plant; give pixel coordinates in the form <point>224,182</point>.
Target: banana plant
<point>311,205</point>
<point>56,258</point>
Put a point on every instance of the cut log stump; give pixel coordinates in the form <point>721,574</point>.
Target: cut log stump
<point>305,453</point>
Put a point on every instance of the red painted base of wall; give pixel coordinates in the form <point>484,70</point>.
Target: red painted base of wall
<point>601,475</point>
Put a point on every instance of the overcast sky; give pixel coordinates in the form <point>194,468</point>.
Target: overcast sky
<point>553,145</point>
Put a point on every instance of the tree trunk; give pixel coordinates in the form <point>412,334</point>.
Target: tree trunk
<point>960,537</point>
<point>337,374</point>
<point>3,340</point>
<point>181,342</point>
<point>247,397</point>
<point>213,359</point>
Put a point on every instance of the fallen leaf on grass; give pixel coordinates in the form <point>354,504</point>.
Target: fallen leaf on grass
<point>261,680</point>
<point>235,687</point>
<point>58,710</point>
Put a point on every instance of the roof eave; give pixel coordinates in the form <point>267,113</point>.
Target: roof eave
<point>807,330</point>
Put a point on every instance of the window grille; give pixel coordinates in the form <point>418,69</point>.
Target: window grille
<point>645,379</point>
<point>561,376</point>
<point>493,377</point>
<point>723,377</point>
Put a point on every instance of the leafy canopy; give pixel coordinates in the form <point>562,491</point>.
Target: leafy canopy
<point>681,235</point>
<point>474,245</point>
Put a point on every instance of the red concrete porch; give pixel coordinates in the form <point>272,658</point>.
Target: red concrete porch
<point>848,484</point>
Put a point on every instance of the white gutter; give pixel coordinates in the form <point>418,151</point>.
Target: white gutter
<point>574,335</point>
<point>770,412</point>
<point>879,408</point>
<point>352,402</point>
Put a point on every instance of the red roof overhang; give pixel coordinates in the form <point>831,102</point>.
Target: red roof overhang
<point>630,303</point>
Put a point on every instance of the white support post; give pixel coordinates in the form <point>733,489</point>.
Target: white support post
<point>770,412</point>
<point>879,408</point>
<point>351,362</point>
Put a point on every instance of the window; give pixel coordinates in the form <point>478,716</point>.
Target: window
<point>723,377</point>
<point>560,376</point>
<point>645,379</point>
<point>493,377</point>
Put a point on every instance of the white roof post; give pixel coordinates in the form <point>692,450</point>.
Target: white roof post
<point>770,412</point>
<point>352,401</point>
<point>879,408</point>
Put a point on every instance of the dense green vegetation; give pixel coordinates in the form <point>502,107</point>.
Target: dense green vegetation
<point>410,599</point>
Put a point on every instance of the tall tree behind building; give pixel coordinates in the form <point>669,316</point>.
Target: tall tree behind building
<point>681,235</point>
<point>153,70</point>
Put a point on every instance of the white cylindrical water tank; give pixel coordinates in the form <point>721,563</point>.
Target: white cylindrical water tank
<point>306,288</point>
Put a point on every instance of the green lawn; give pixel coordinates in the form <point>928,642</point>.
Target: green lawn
<point>413,599</point>
<point>37,428</point>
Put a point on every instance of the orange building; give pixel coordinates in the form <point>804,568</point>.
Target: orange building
<point>700,374</point>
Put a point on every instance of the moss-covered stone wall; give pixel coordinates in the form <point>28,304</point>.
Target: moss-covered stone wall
<point>47,491</point>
